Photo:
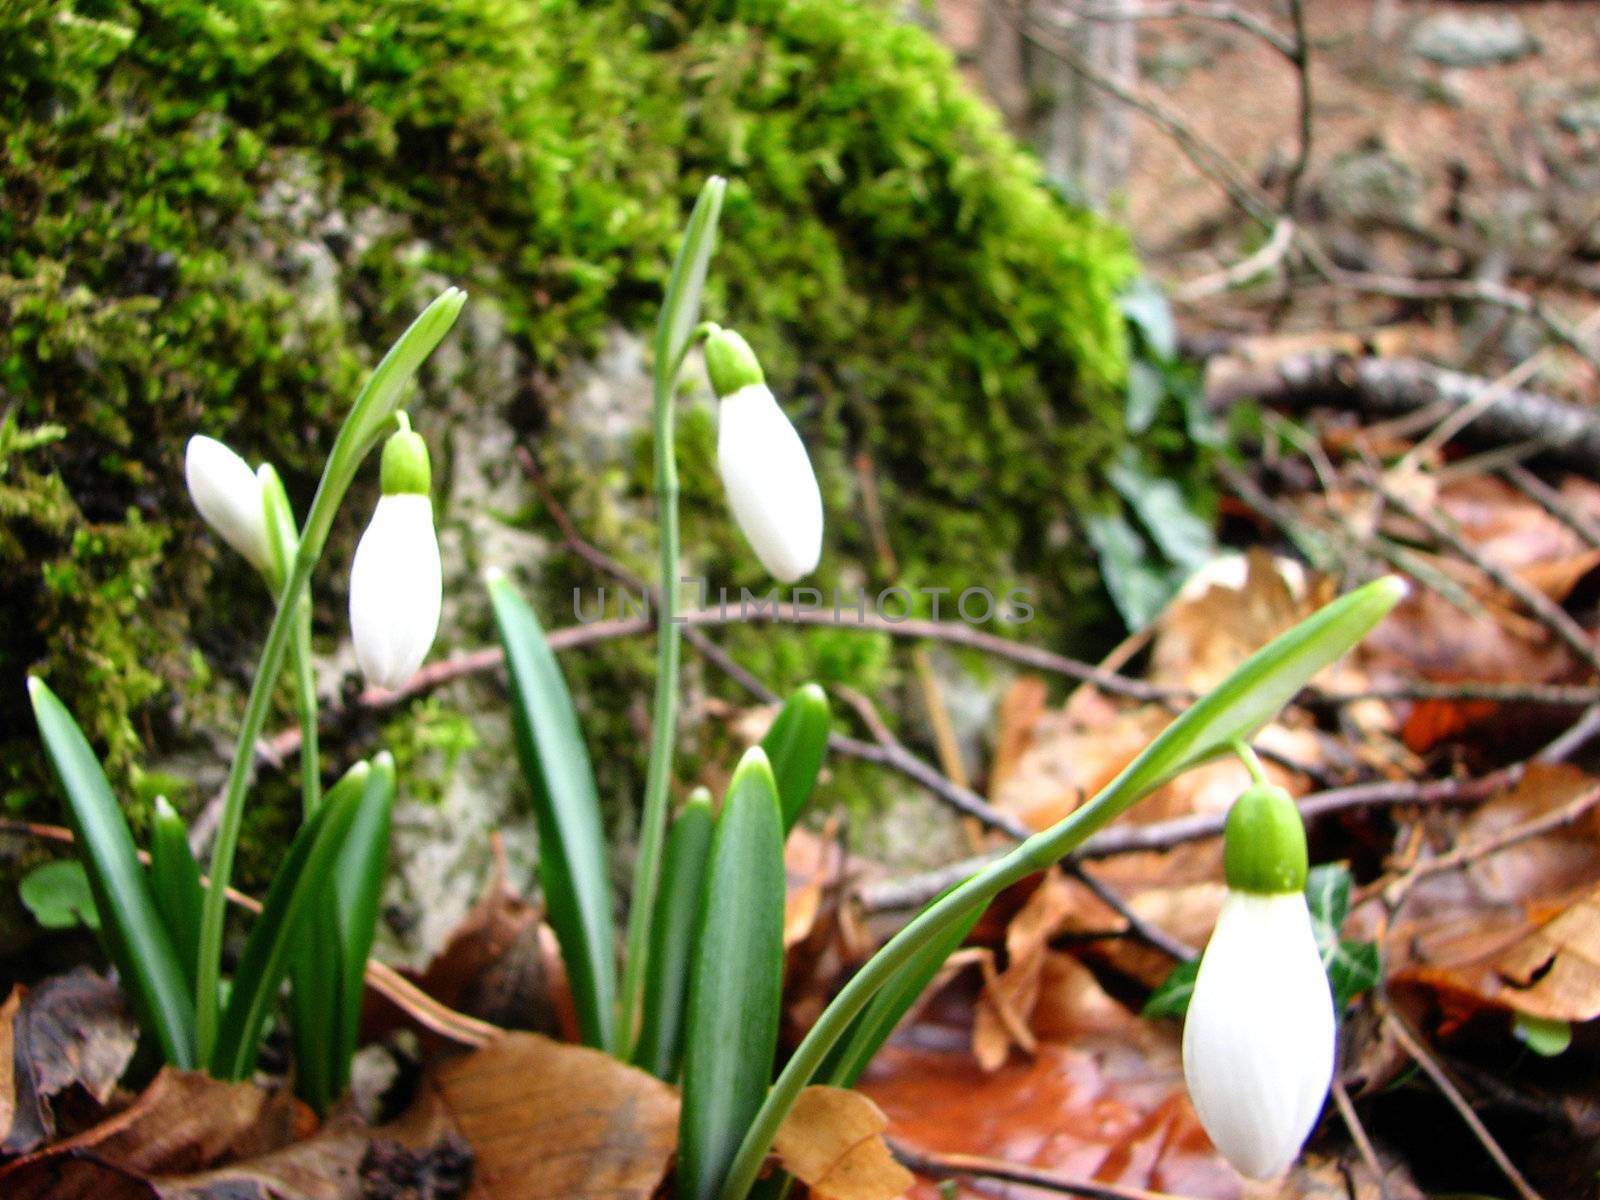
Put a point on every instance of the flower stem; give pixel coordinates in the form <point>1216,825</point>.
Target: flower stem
<point>214,910</point>
<point>664,719</point>
<point>1247,755</point>
<point>305,679</point>
<point>676,331</point>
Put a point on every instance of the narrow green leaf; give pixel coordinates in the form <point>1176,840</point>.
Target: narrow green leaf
<point>358,890</point>
<point>888,1008</point>
<point>291,901</point>
<point>1257,691</point>
<point>1172,995</point>
<point>680,308</point>
<point>572,847</point>
<point>175,880</point>
<point>795,746</point>
<point>316,968</point>
<point>59,896</point>
<point>134,935</point>
<point>372,409</point>
<point>736,981</point>
<point>666,988</point>
<point>313,967</point>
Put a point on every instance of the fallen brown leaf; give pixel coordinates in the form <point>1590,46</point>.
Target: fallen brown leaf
<point>1005,1010</point>
<point>832,1141</point>
<point>72,1030</point>
<point>1554,972</point>
<point>184,1122</point>
<point>548,1119</point>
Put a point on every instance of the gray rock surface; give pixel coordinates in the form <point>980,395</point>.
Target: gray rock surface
<point>1454,39</point>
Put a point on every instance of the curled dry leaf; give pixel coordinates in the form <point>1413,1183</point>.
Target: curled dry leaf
<point>1005,1010</point>
<point>1554,972</point>
<point>499,963</point>
<point>832,1141</point>
<point>1519,928</point>
<point>72,1030</point>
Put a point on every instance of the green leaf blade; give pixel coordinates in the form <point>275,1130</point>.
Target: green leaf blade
<point>291,900</point>
<point>736,983</point>
<point>59,896</point>
<point>889,1007</point>
<point>572,848</point>
<point>175,880</point>
<point>672,932</point>
<point>358,880</point>
<point>796,745</point>
<point>134,934</point>
<point>680,308</point>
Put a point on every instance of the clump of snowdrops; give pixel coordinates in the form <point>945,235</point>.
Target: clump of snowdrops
<point>694,995</point>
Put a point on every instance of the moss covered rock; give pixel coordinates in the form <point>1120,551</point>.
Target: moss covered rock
<point>213,217</point>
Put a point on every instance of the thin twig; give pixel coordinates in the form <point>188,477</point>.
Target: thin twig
<point>1300,57</point>
<point>1465,856</point>
<point>1358,1135</point>
<point>1272,252</point>
<point>1550,614</point>
<point>1413,1046</point>
<point>1549,499</point>
<point>899,894</point>
<point>1206,157</point>
<point>1146,931</point>
<point>947,1166</point>
<point>1574,738</point>
<point>1178,10</point>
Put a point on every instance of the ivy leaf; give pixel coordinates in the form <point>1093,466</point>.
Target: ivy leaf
<point>1137,585</point>
<point>57,894</point>
<point>1144,306</point>
<point>1353,966</point>
<point>1172,995</point>
<point>1545,1037</point>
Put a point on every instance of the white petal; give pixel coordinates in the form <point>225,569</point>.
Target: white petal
<point>1259,1036</point>
<point>771,487</point>
<point>395,590</point>
<point>228,496</point>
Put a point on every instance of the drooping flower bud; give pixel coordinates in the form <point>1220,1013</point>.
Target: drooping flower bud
<point>1258,1040</point>
<point>227,495</point>
<point>766,472</point>
<point>396,579</point>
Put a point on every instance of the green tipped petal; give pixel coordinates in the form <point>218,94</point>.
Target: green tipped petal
<point>406,468</point>
<point>730,362</point>
<point>1264,844</point>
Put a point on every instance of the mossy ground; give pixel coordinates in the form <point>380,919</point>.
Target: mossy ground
<point>213,217</point>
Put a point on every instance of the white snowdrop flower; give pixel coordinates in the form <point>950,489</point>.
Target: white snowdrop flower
<point>766,472</point>
<point>1258,1040</point>
<point>227,495</point>
<point>396,581</point>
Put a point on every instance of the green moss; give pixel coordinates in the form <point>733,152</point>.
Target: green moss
<point>216,215</point>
